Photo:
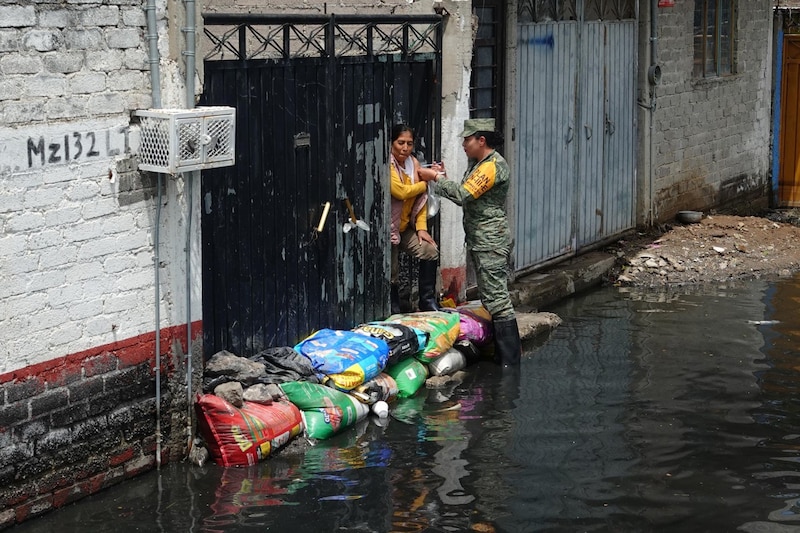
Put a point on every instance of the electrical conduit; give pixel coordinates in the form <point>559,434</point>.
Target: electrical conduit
<point>155,88</point>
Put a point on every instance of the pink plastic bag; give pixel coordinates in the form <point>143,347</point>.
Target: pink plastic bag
<point>476,323</point>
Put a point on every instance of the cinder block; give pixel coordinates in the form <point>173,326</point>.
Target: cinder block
<point>99,16</point>
<point>87,82</point>
<point>84,39</point>
<point>54,18</point>
<point>9,40</point>
<point>18,64</point>
<point>124,38</point>
<point>17,16</point>
<point>41,40</point>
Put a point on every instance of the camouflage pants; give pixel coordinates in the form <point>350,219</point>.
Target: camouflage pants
<point>491,269</point>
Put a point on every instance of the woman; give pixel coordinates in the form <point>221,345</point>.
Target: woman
<point>410,218</point>
<point>482,194</point>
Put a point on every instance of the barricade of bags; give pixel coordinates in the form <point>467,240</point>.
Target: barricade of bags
<point>329,381</point>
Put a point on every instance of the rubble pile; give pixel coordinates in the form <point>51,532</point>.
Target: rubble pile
<point>718,248</point>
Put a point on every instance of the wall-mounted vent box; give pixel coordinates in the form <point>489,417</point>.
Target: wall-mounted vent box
<point>180,140</point>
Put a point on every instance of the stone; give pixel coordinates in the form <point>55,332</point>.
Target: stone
<point>534,324</point>
<point>263,393</point>
<point>241,369</point>
<point>232,392</point>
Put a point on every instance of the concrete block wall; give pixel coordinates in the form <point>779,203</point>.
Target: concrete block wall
<point>77,255</point>
<point>712,135</point>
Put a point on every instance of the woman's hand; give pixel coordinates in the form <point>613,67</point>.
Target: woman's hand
<point>424,236</point>
<point>427,174</point>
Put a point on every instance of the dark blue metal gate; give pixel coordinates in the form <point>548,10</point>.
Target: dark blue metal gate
<point>315,100</point>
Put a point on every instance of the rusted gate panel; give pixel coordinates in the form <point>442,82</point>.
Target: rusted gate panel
<point>315,99</point>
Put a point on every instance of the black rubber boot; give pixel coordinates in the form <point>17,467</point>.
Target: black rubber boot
<point>395,299</point>
<point>507,344</point>
<point>427,286</point>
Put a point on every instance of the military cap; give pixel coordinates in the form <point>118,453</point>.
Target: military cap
<point>474,125</point>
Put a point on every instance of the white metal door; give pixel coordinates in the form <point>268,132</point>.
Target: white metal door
<point>575,171</point>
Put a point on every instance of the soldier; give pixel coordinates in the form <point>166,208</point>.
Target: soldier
<point>482,194</point>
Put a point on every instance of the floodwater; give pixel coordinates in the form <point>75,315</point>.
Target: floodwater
<point>644,411</point>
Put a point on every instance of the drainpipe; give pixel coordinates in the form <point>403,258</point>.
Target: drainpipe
<point>190,53</point>
<point>156,261</point>
<point>155,88</point>
<point>653,78</point>
<point>153,60</point>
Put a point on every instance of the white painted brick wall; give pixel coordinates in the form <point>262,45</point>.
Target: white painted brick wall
<point>76,263</point>
<point>710,131</point>
<point>80,288</point>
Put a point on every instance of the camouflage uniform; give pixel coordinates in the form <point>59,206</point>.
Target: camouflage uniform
<point>482,194</point>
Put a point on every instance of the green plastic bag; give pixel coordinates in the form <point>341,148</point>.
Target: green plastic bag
<point>442,329</point>
<point>325,411</point>
<point>409,374</point>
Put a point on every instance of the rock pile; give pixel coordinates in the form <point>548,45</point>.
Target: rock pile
<point>719,248</point>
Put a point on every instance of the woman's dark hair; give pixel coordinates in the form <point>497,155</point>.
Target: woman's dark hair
<point>493,138</point>
<point>397,129</point>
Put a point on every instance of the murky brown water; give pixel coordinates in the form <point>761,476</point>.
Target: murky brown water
<point>644,411</point>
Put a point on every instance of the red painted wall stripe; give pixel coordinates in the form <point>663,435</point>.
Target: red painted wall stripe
<point>128,352</point>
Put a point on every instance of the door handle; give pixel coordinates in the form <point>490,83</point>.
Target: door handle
<point>570,134</point>
<point>323,217</point>
<point>588,129</point>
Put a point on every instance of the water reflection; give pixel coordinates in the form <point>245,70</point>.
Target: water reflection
<point>644,411</point>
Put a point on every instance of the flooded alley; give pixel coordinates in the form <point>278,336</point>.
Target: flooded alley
<point>670,410</point>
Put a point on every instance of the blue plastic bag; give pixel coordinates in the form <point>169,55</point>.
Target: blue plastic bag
<point>344,359</point>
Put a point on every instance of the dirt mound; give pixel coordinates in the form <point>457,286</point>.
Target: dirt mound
<point>718,248</point>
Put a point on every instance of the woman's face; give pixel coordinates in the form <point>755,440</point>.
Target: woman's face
<point>472,147</point>
<point>403,146</point>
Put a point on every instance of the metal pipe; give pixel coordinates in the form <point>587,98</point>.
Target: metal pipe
<point>653,98</point>
<point>154,58</point>
<point>653,32</point>
<point>191,54</point>
<point>155,90</point>
<point>190,203</point>
<point>156,261</point>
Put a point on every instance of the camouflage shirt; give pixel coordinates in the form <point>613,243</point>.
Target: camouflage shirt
<point>482,193</point>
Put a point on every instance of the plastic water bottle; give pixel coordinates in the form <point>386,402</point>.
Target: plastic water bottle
<point>380,408</point>
<point>448,363</point>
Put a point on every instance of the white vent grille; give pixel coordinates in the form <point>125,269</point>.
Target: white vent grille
<point>180,140</point>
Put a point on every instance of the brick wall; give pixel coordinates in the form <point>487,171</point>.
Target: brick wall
<point>77,255</point>
<point>81,423</point>
<point>76,218</point>
<point>712,136</point>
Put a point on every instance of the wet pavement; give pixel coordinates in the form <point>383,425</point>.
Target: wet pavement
<point>643,411</point>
